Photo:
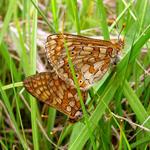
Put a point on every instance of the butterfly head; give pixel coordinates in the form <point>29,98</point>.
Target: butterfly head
<point>116,53</point>
<point>112,52</point>
<point>116,48</point>
<point>76,117</point>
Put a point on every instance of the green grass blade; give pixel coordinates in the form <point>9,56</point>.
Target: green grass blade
<point>104,100</point>
<point>35,131</point>
<point>55,14</point>
<point>135,103</point>
<point>103,19</point>
<point>7,19</point>
<point>120,16</point>
<point>75,15</point>
<point>6,56</point>
<point>41,13</point>
<point>12,118</point>
<point>80,95</point>
<point>17,104</point>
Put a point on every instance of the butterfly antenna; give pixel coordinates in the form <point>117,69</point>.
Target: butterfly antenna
<point>121,31</point>
<point>120,40</point>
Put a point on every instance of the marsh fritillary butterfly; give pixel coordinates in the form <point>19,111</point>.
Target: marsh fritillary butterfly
<point>91,59</point>
<point>53,91</point>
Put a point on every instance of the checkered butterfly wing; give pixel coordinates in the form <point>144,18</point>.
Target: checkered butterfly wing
<point>91,57</point>
<point>50,89</point>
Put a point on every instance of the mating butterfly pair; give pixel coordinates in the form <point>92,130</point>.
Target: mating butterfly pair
<point>91,59</point>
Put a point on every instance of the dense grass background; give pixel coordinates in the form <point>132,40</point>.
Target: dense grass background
<point>119,105</point>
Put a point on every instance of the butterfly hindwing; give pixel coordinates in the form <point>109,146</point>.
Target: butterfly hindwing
<point>50,89</point>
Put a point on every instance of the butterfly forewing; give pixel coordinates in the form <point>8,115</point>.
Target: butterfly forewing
<point>50,89</point>
<point>91,57</point>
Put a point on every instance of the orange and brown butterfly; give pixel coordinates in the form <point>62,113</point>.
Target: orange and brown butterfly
<point>91,57</point>
<point>53,91</point>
